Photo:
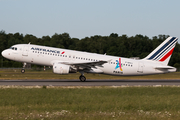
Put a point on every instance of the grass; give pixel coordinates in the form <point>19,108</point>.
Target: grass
<point>97,103</point>
<point>90,103</point>
<point>48,74</point>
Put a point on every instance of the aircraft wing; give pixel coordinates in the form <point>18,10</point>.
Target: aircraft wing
<point>83,65</point>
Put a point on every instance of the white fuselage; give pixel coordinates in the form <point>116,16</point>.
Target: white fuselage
<point>46,56</point>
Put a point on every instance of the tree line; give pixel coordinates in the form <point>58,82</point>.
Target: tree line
<point>124,46</point>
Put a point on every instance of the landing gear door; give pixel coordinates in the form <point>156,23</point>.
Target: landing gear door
<point>140,67</point>
<point>25,50</point>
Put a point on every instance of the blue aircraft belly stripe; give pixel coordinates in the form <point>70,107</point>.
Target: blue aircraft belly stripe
<point>165,49</point>
<point>164,46</point>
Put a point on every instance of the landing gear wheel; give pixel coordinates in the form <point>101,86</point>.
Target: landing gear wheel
<point>23,71</point>
<point>82,78</point>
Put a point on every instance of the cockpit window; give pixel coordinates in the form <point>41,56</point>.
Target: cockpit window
<point>13,48</point>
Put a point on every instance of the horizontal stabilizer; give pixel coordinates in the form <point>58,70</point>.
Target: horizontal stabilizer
<point>166,68</point>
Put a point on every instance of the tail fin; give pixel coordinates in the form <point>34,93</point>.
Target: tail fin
<point>164,51</point>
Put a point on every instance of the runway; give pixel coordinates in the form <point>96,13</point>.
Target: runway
<point>90,83</point>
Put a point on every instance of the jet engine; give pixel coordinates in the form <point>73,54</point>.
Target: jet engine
<point>62,69</point>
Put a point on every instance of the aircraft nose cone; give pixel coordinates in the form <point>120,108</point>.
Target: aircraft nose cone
<point>4,53</point>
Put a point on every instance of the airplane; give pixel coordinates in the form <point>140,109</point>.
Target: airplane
<point>64,61</point>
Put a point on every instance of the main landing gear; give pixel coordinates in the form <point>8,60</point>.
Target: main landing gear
<point>23,70</point>
<point>82,78</point>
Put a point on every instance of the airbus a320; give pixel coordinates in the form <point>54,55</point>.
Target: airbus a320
<point>66,61</point>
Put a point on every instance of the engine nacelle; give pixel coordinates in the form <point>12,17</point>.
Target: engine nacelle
<point>61,68</point>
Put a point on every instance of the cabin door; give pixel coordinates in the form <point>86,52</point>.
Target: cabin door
<point>25,50</point>
<point>140,67</point>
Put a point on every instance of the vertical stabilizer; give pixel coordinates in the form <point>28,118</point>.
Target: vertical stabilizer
<point>164,51</point>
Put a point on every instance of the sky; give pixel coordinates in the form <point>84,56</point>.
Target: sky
<point>85,18</point>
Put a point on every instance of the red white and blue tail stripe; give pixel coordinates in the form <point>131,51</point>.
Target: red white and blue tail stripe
<point>164,51</point>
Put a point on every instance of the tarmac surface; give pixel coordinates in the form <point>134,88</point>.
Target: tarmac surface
<point>90,83</point>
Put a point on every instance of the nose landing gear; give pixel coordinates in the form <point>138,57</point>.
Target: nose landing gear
<point>23,70</point>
